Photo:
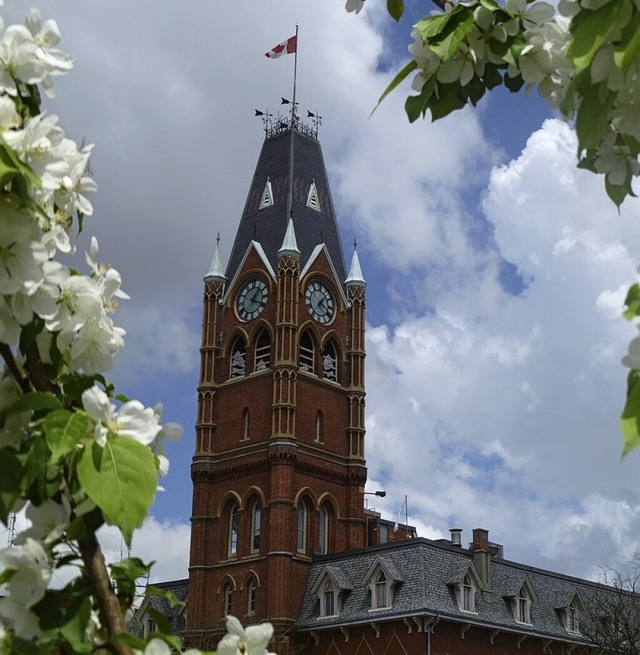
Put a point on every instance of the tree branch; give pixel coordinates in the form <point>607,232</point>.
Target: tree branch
<point>110,613</point>
<point>19,375</point>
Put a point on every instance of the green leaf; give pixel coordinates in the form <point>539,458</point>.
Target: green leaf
<point>630,420</point>
<point>491,77</point>
<point>121,479</point>
<point>395,9</point>
<point>63,430</point>
<point>125,574</point>
<point>590,29</point>
<point>514,84</point>
<point>627,50</point>
<point>430,26</point>
<point>167,595</point>
<point>446,45</point>
<point>632,302</point>
<point>35,401</point>
<point>474,90</point>
<point>411,66</point>
<point>416,106</point>
<point>618,192</point>
<point>449,98</point>
<point>593,116</point>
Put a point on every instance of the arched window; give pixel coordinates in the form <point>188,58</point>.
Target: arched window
<point>246,419</point>
<point>262,352</point>
<point>227,593</point>
<point>523,606</point>
<point>234,523</point>
<point>381,587</point>
<point>329,598</point>
<point>302,526</point>
<point>468,594</point>
<point>330,362</point>
<point>237,366</point>
<point>318,428</point>
<point>256,519</point>
<point>251,596</point>
<point>323,531</point>
<point>307,353</point>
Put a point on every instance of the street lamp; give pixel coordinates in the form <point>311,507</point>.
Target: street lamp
<point>380,494</point>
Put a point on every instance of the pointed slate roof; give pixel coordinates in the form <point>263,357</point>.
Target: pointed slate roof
<point>268,225</point>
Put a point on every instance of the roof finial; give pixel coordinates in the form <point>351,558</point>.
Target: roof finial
<point>355,272</point>
<point>216,271</point>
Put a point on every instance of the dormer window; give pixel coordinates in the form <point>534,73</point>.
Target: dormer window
<point>267,196</point>
<point>330,588</point>
<point>464,581</point>
<point>312,198</point>
<point>381,580</point>
<point>148,625</point>
<point>523,606</point>
<point>571,615</point>
<point>468,595</point>
<point>380,592</point>
<point>328,601</point>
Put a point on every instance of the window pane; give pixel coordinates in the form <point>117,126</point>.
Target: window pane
<point>302,527</point>
<point>257,517</point>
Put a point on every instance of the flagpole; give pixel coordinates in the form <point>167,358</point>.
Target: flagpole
<point>293,125</point>
<point>295,74</point>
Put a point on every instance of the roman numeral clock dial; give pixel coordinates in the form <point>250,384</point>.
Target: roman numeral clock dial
<point>251,299</point>
<point>320,302</point>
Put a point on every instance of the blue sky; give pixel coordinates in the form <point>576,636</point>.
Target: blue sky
<point>495,269</point>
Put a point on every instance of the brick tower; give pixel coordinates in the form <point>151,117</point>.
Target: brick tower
<point>279,470</point>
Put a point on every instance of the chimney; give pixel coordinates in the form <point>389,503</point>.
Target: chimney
<point>456,537</point>
<point>482,560</point>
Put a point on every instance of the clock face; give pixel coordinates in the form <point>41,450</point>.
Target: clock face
<point>320,302</point>
<point>251,300</point>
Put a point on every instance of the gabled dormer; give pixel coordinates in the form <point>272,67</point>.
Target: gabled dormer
<point>521,599</point>
<point>331,587</point>
<point>569,609</point>
<point>383,579</point>
<point>464,582</point>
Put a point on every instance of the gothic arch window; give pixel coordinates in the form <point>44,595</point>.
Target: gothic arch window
<point>323,531</point>
<point>227,596</point>
<point>234,525</point>
<point>256,521</point>
<point>246,424</point>
<point>237,366</point>
<point>307,353</point>
<point>262,352</point>
<point>318,430</point>
<point>330,362</point>
<point>328,600</point>
<point>522,609</point>
<point>251,596</point>
<point>380,591</point>
<point>303,519</point>
<point>468,597</point>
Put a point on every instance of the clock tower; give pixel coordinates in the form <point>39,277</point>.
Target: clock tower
<point>278,470</point>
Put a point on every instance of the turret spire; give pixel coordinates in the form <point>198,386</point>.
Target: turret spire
<point>355,272</point>
<point>216,270</point>
<point>289,244</point>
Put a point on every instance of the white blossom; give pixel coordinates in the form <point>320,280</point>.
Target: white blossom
<point>132,420</point>
<point>32,572</point>
<point>252,640</point>
<point>169,432</point>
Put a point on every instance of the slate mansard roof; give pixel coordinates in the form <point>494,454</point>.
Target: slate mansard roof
<point>427,573</point>
<point>268,225</point>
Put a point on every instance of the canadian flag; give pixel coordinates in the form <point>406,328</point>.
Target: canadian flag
<point>285,48</point>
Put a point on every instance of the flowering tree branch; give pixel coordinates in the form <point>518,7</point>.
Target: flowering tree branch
<point>73,458</point>
<point>584,59</point>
